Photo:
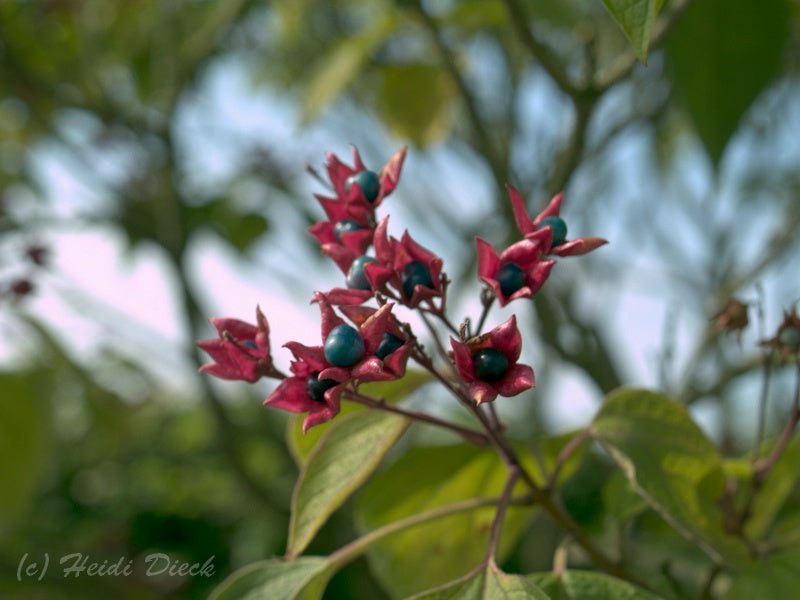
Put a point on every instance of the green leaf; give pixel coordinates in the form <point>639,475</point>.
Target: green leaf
<point>774,576</point>
<point>723,54</point>
<point>620,498</point>
<point>636,18</point>
<point>24,441</point>
<point>776,490</point>
<point>343,460</point>
<point>272,579</point>
<point>488,583</point>
<point>341,65</point>
<point>301,444</point>
<point>416,101</point>
<point>670,463</point>
<point>587,585</point>
<point>423,479</point>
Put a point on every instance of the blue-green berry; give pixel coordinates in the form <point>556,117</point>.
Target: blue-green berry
<point>343,346</point>
<point>346,226</point>
<point>511,278</point>
<point>250,344</point>
<point>790,337</point>
<point>356,277</point>
<point>490,364</point>
<point>389,344</point>
<point>415,273</point>
<point>558,227</point>
<point>368,182</point>
<point>316,388</point>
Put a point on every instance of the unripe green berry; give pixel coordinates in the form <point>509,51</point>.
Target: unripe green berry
<point>389,344</point>
<point>415,273</point>
<point>343,346</point>
<point>511,278</point>
<point>558,227</point>
<point>316,388</point>
<point>368,182</point>
<point>356,277</point>
<point>490,364</point>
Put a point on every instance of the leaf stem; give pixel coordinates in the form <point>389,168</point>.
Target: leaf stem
<point>469,435</point>
<point>502,506</point>
<point>354,549</point>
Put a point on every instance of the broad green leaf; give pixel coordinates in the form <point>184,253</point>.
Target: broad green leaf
<point>488,583</point>
<point>416,101</point>
<point>341,65</point>
<point>423,479</point>
<point>301,444</point>
<point>723,54</point>
<point>671,464</point>
<point>273,579</point>
<point>620,498</point>
<point>587,585</point>
<point>775,491</point>
<point>343,460</point>
<point>774,577</point>
<point>24,441</point>
<point>636,18</point>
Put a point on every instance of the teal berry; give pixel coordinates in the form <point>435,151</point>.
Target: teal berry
<point>790,337</point>
<point>415,273</point>
<point>250,344</point>
<point>356,277</point>
<point>316,388</point>
<point>490,364</point>
<point>558,227</point>
<point>368,182</point>
<point>511,278</point>
<point>346,226</point>
<point>389,344</point>
<point>343,346</point>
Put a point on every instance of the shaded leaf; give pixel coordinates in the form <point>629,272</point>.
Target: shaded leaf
<point>587,585</point>
<point>636,18</point>
<point>486,584</point>
<point>273,579</point>
<point>723,54</point>
<point>343,460</point>
<point>341,65</point>
<point>423,479</point>
<point>776,490</point>
<point>671,463</point>
<point>24,435</point>
<point>416,102</point>
<point>774,576</point>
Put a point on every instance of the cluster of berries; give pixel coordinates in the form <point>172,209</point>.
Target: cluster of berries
<point>375,344</point>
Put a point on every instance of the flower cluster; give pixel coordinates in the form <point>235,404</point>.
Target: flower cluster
<point>360,343</point>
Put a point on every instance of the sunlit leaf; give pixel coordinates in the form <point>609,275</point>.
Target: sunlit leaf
<point>489,583</point>
<point>301,444</point>
<point>342,461</point>
<point>723,54</point>
<point>423,479</point>
<point>636,18</point>
<point>587,585</point>
<point>671,463</point>
<point>271,580</point>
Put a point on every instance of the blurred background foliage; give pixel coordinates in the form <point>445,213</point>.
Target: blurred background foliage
<point>113,447</point>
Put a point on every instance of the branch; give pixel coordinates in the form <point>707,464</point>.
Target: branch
<point>473,437</point>
<point>543,55</point>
